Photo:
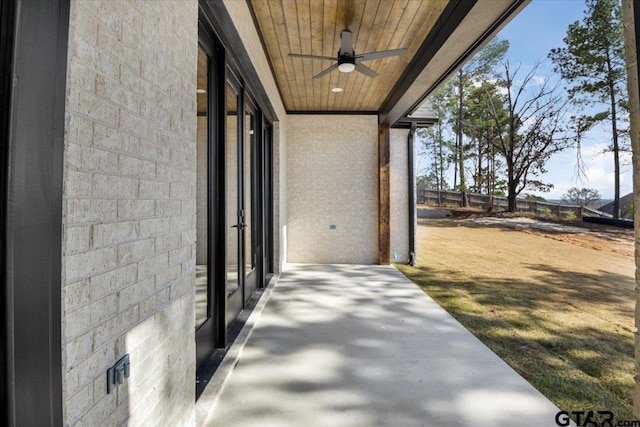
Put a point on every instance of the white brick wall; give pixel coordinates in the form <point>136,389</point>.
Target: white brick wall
<point>332,179</point>
<point>129,211</point>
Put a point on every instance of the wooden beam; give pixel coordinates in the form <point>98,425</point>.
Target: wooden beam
<point>384,196</point>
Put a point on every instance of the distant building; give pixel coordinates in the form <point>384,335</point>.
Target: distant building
<point>626,207</point>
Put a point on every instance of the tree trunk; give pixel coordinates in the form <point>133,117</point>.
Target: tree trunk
<point>459,139</point>
<point>616,152</point>
<point>511,195</point>
<point>634,106</point>
<point>440,157</point>
<point>455,167</point>
<point>492,170</point>
<point>614,131</point>
<point>479,175</point>
<point>511,199</point>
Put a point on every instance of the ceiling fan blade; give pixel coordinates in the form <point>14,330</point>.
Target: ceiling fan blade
<point>380,54</point>
<point>327,71</point>
<point>346,43</point>
<point>366,71</point>
<point>301,55</point>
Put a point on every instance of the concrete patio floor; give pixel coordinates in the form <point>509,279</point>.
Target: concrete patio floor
<point>355,345</point>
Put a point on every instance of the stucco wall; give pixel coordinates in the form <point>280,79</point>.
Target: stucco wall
<point>129,212</point>
<point>332,180</point>
<point>399,195</point>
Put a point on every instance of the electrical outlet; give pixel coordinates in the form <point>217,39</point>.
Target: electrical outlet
<point>117,374</point>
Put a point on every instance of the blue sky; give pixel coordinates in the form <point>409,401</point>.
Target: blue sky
<point>540,27</point>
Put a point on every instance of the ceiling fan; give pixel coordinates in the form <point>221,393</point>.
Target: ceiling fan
<point>348,61</point>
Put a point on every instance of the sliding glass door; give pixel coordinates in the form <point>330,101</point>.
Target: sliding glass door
<point>230,211</point>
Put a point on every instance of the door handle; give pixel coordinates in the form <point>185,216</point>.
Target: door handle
<point>240,226</point>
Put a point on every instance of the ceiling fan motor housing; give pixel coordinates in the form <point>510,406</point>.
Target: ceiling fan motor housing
<point>346,63</point>
<point>346,59</point>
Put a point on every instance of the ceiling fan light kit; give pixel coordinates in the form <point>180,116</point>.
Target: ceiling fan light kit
<point>346,67</point>
<point>347,61</point>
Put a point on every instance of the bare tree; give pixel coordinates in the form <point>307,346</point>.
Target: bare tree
<point>581,196</point>
<point>532,132</point>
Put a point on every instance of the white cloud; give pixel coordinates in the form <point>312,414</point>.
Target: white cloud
<point>599,170</point>
<point>538,80</point>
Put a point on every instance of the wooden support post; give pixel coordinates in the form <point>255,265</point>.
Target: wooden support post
<point>384,197</point>
<point>631,18</point>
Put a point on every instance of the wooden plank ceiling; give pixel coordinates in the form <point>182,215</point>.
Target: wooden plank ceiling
<point>313,27</point>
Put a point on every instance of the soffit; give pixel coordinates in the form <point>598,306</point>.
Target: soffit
<point>479,25</point>
<point>314,27</point>
<point>439,35</point>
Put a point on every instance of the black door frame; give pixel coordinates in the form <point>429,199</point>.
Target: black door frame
<point>231,63</point>
<point>33,141</point>
<point>253,278</point>
<point>212,334</point>
<point>267,201</point>
<point>7,21</point>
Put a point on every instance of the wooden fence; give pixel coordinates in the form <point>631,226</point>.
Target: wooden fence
<point>481,201</point>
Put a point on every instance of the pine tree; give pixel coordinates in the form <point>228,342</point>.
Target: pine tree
<point>593,61</point>
<point>459,87</point>
<point>480,127</point>
<point>434,144</point>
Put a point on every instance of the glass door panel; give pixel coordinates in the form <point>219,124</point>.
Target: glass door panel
<point>251,215</point>
<point>249,249</point>
<point>235,296</point>
<point>232,191</point>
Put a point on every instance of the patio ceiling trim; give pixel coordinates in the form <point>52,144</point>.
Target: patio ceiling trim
<point>215,13</point>
<point>447,23</point>
<point>424,116</point>
<point>334,112</point>
<point>417,82</point>
<point>406,122</point>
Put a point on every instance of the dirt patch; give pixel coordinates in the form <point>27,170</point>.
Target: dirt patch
<point>600,237</point>
<point>604,241</point>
